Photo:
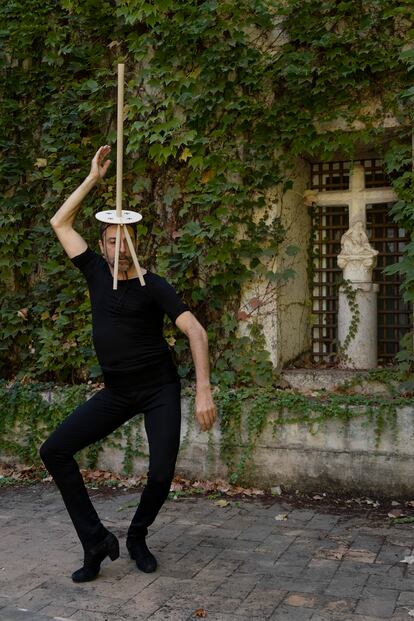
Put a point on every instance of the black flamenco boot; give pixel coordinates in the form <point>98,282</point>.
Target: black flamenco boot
<point>94,557</point>
<point>139,552</point>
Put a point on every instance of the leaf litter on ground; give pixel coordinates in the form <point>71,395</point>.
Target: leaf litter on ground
<point>395,511</point>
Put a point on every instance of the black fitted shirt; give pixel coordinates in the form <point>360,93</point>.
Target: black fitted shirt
<point>128,323</point>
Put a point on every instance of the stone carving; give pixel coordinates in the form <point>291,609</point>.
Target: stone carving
<point>357,258</point>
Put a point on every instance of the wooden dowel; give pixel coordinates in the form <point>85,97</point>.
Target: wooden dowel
<point>120,139</point>
<point>134,256</point>
<point>116,265</point>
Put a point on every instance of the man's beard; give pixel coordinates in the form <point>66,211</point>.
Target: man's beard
<point>125,262</point>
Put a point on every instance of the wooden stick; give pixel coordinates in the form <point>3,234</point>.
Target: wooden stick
<point>120,139</point>
<point>119,171</point>
<point>134,256</point>
<point>116,264</point>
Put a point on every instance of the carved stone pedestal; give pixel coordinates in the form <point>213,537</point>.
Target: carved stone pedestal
<point>357,330</point>
<point>361,352</point>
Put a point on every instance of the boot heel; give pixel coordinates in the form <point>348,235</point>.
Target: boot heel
<point>114,551</point>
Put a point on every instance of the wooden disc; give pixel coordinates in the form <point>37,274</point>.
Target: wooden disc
<point>111,217</point>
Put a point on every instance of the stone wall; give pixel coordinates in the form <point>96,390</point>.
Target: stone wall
<point>340,457</point>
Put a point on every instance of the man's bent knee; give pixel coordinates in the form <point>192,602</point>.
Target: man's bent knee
<point>51,455</point>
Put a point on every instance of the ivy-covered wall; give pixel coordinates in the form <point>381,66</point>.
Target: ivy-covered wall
<point>222,97</point>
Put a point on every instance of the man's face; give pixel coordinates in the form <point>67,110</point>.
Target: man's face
<point>107,246</point>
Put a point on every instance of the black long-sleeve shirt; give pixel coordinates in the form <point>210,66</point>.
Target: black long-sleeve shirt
<point>128,325</point>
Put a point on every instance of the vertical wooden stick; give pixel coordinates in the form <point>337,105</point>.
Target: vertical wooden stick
<point>116,264</point>
<point>119,167</point>
<point>120,139</point>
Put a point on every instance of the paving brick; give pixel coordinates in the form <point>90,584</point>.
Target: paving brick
<point>261,602</point>
<point>319,569</point>
<point>120,615</point>
<point>291,613</point>
<point>406,598</point>
<point>225,616</point>
<point>286,570</point>
<point>62,611</point>
<point>9,613</point>
<point>323,522</point>
<point>401,614</point>
<point>239,585</point>
<point>256,532</point>
<point>377,602</point>
<point>350,567</point>
<point>170,614</point>
<point>391,554</point>
<point>327,616</point>
<point>380,607</point>
<point>391,582</point>
<point>347,586</point>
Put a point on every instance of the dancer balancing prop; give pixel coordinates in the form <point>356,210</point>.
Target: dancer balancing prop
<point>120,216</point>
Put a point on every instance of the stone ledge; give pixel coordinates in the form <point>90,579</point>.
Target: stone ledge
<point>307,380</point>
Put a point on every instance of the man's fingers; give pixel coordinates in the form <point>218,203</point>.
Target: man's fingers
<point>106,166</point>
<point>206,418</point>
<point>101,153</point>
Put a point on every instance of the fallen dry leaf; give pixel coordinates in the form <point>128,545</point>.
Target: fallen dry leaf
<point>200,612</point>
<point>222,503</point>
<point>396,513</point>
<point>276,491</point>
<point>176,487</point>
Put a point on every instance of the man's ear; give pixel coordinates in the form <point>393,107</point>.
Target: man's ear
<point>101,246</point>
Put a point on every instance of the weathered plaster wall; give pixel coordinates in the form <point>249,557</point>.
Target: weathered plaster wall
<point>294,300</point>
<point>285,313</point>
<point>340,457</point>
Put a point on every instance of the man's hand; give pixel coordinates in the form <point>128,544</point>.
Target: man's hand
<point>99,166</point>
<point>205,409</point>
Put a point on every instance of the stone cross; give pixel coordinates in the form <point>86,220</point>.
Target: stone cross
<point>358,344</point>
<point>357,197</point>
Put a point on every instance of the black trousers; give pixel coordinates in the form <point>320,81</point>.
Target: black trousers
<point>94,420</point>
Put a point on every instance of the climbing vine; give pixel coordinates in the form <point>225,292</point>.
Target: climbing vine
<point>222,99</point>
<point>277,409</point>
<point>32,411</point>
<point>351,297</point>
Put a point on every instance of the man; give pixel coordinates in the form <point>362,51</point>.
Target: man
<point>139,376</point>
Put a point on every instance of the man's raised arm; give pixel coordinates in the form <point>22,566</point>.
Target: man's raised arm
<point>62,221</point>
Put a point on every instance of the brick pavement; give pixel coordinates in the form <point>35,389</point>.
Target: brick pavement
<point>236,562</point>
